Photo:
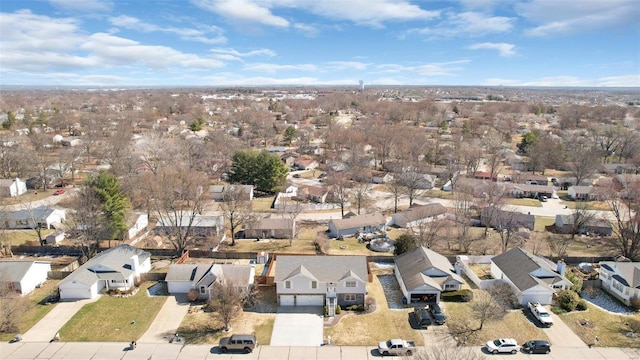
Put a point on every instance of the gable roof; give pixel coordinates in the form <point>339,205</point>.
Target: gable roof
<point>14,271</point>
<point>271,224</point>
<point>414,263</point>
<point>518,264</point>
<point>112,264</point>
<point>421,212</point>
<point>187,272</point>
<point>322,268</point>
<point>629,272</point>
<point>207,274</point>
<point>359,221</point>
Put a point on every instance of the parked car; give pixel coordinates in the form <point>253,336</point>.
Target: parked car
<point>543,198</point>
<point>59,192</point>
<point>396,347</point>
<point>297,176</point>
<point>503,346</point>
<point>437,314</point>
<point>238,342</point>
<point>537,347</point>
<point>422,317</point>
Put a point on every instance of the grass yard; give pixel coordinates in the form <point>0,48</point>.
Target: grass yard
<point>29,196</point>
<point>439,194</point>
<point>205,328</point>
<point>351,246</point>
<point>524,202</point>
<point>496,328</point>
<point>110,318</point>
<point>374,327</point>
<point>263,204</point>
<point>542,222</point>
<point>609,328</point>
<point>20,237</point>
<point>272,245</point>
<point>589,205</point>
<point>34,311</point>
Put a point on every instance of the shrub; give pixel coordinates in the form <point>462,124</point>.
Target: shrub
<point>634,302</point>
<point>557,310</point>
<point>326,311</point>
<point>338,310</point>
<point>464,295</point>
<point>582,305</point>
<point>568,300</point>
<point>358,308</point>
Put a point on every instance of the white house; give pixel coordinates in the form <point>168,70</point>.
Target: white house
<point>532,278</point>
<point>218,192</point>
<point>181,278</point>
<point>364,223</point>
<point>12,187</point>
<point>55,237</point>
<point>117,268</point>
<point>621,280</point>
<point>321,280</point>
<point>23,276</point>
<point>42,216</point>
<point>202,225</point>
<point>420,214</point>
<point>423,274</point>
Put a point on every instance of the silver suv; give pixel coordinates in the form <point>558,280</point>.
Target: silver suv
<point>238,342</point>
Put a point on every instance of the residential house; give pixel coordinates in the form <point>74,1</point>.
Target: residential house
<point>305,163</point>
<point>478,188</point>
<point>270,228</point>
<point>116,268</point>
<point>12,187</point>
<point>381,177</point>
<point>532,278</point>
<point>419,181</point>
<point>532,179</point>
<point>589,193</point>
<point>321,280</point>
<point>423,274</point>
<point>201,225</point>
<point>621,280</point>
<point>23,276</point>
<point>55,237</point>
<point>218,192</point>
<point>182,278</point>
<point>566,225</point>
<point>420,214</point>
<point>618,168</point>
<point>529,191</point>
<point>42,216</point>
<point>502,219</point>
<point>317,194</point>
<point>484,175</point>
<point>364,223</point>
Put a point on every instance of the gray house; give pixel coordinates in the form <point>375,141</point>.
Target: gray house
<point>565,225</point>
<point>321,280</point>
<point>502,219</point>
<point>271,228</point>
<point>364,223</point>
<point>182,278</point>
<point>423,274</point>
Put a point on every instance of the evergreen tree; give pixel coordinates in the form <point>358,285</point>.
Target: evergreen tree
<point>115,203</point>
<point>11,120</point>
<point>263,170</point>
<point>289,134</point>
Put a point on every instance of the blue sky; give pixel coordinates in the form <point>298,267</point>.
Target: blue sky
<point>320,42</point>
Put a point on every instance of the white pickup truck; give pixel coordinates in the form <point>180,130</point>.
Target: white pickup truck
<point>541,314</point>
<point>396,347</point>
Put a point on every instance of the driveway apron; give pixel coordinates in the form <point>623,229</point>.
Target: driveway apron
<point>560,334</point>
<point>167,322</point>
<point>50,324</point>
<point>298,326</point>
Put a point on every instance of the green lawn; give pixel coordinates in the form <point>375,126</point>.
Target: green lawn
<point>524,202</point>
<point>263,204</point>
<point>20,237</point>
<point>542,222</point>
<point>114,318</point>
<point>609,328</point>
<point>34,311</point>
<point>272,245</point>
<point>205,328</point>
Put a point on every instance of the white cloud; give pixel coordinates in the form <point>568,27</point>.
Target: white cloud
<point>133,23</point>
<point>272,68</point>
<point>632,80</point>
<point>235,55</point>
<point>503,48</point>
<point>347,65</point>
<point>432,69</point>
<point>559,17</point>
<point>468,24</point>
<point>308,30</point>
<point>82,5</point>
<point>244,11</point>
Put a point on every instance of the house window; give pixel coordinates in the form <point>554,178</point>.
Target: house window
<point>350,284</point>
<point>202,289</point>
<point>314,284</point>
<point>287,284</point>
<point>448,287</point>
<point>616,285</point>
<point>349,297</point>
<point>604,275</point>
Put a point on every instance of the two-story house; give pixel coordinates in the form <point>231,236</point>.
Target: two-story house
<point>621,280</point>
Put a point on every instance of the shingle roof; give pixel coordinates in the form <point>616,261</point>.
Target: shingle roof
<point>207,274</point>
<point>14,271</point>
<point>414,263</point>
<point>323,268</point>
<point>518,264</point>
<point>114,263</point>
<point>187,272</point>
<point>420,212</point>
<point>359,221</point>
<point>630,271</point>
<point>271,224</point>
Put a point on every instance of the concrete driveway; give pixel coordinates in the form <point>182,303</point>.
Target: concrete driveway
<point>560,334</point>
<point>50,324</point>
<point>167,322</point>
<point>298,326</point>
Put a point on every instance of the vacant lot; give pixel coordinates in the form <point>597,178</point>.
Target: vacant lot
<point>114,318</point>
<point>611,329</point>
<point>34,308</point>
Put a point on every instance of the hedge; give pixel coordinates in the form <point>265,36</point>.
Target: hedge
<point>464,295</point>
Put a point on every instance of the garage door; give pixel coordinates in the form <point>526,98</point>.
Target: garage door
<point>286,300</point>
<point>539,298</point>
<point>310,300</point>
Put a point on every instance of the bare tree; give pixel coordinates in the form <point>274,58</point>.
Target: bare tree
<point>321,243</point>
<point>582,158</point>
<point>12,307</point>
<point>292,209</point>
<point>559,244</point>
<point>429,232</point>
<point>413,184</point>
<point>40,155</point>
<point>625,208</point>
<point>464,212</point>
<point>226,302</point>
<point>507,224</point>
<point>88,220</point>
<point>340,188</point>
<point>484,308</point>
<point>237,209</point>
<point>396,189</point>
<point>360,193</point>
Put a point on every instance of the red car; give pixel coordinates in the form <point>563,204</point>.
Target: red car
<point>59,192</point>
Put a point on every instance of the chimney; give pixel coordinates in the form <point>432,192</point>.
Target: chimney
<point>561,267</point>
<point>134,264</point>
<point>458,268</point>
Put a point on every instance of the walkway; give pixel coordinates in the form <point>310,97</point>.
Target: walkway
<point>48,326</point>
<point>167,322</point>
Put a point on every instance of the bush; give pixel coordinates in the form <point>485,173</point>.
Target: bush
<point>326,311</point>
<point>358,308</point>
<point>338,310</point>
<point>634,302</point>
<point>568,300</point>
<point>464,295</point>
<point>557,310</point>
<point>582,305</point>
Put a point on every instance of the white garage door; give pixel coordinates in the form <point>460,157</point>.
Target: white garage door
<point>310,300</point>
<point>543,299</point>
<point>286,300</point>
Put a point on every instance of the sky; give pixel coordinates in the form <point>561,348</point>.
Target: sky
<point>588,43</point>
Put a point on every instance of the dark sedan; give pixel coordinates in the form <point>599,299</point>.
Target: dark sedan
<point>536,347</point>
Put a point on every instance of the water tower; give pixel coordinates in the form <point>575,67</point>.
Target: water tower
<point>361,87</point>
